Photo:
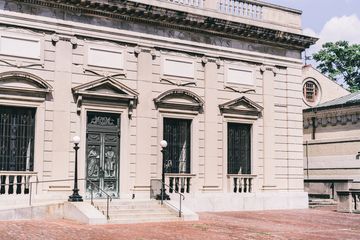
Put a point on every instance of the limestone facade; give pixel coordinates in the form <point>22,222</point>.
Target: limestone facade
<point>144,62</point>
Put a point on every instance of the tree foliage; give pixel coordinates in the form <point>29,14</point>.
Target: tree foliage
<point>340,61</point>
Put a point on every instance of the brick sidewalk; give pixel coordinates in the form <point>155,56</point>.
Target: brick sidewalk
<point>294,224</point>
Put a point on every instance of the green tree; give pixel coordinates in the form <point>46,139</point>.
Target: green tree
<point>340,61</point>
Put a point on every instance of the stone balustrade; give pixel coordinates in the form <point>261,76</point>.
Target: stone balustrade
<point>250,9</point>
<point>179,182</point>
<point>241,8</point>
<point>240,183</point>
<point>193,3</point>
<point>15,182</point>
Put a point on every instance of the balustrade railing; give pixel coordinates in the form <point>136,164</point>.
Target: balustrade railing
<point>193,3</point>
<point>179,182</point>
<point>241,183</point>
<point>15,182</point>
<point>241,8</point>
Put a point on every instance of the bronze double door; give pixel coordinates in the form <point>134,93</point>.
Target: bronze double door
<point>102,151</point>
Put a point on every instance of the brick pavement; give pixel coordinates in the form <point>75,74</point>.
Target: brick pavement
<point>293,224</point>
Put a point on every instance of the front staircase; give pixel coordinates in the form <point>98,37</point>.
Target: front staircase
<point>136,211</point>
<point>321,202</point>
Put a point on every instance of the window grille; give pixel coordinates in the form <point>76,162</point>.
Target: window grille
<point>239,148</point>
<point>17,129</point>
<point>177,134</point>
<point>310,91</point>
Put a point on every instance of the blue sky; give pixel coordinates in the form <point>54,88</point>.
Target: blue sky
<point>317,12</point>
<point>329,20</point>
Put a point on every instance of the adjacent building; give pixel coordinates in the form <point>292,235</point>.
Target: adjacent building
<point>331,146</point>
<point>220,81</point>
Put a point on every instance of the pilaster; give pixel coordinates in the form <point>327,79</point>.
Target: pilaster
<point>62,98</point>
<point>144,115</point>
<point>211,112</point>
<point>269,126</point>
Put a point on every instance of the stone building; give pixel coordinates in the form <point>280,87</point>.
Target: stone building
<point>331,146</point>
<point>221,81</point>
<point>329,141</point>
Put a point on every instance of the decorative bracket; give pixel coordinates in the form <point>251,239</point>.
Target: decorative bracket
<point>131,107</point>
<point>78,104</point>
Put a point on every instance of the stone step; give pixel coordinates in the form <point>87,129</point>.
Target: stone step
<point>317,203</point>
<point>128,207</point>
<point>153,215</point>
<point>137,211</point>
<point>145,220</point>
<point>323,202</point>
<point>128,203</point>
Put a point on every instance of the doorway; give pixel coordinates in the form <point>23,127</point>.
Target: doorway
<point>102,152</point>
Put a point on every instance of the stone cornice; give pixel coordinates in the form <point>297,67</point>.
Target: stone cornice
<point>148,14</point>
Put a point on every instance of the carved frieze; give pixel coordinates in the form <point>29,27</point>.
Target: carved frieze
<point>145,18</point>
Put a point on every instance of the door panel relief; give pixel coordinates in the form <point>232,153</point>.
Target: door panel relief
<point>103,138</point>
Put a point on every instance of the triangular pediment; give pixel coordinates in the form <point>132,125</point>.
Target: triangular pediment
<point>24,84</point>
<point>105,86</point>
<point>106,91</point>
<point>179,99</point>
<point>242,106</point>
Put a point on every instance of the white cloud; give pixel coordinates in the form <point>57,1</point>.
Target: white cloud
<point>341,28</point>
<point>336,29</point>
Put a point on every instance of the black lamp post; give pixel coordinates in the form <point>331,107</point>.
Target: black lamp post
<point>162,195</point>
<point>75,197</point>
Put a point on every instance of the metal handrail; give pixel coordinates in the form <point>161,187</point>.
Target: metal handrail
<point>181,196</point>
<point>108,197</point>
